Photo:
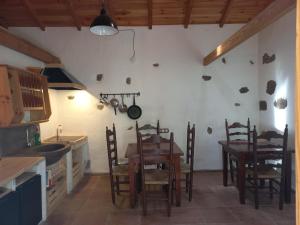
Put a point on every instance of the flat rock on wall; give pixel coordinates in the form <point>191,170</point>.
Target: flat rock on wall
<point>209,130</point>
<point>206,77</point>
<point>244,90</point>
<point>280,103</point>
<point>237,104</point>
<point>271,86</point>
<point>263,106</point>
<point>268,59</point>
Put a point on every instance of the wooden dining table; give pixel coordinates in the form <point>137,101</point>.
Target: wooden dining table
<point>134,162</point>
<point>243,153</point>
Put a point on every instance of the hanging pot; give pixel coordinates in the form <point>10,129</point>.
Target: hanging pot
<point>114,103</point>
<point>134,112</point>
<point>122,106</point>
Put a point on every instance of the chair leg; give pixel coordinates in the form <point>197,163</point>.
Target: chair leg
<point>231,170</point>
<point>118,185</point>
<point>187,178</point>
<point>256,194</point>
<point>191,187</point>
<point>112,187</point>
<point>281,193</point>
<point>271,188</point>
<point>170,194</point>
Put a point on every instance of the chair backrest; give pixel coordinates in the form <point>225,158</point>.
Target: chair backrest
<point>237,131</point>
<point>190,145</point>
<point>147,130</point>
<point>270,139</point>
<point>112,151</point>
<point>154,155</point>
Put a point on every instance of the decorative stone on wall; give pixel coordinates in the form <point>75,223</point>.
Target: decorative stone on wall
<point>128,80</point>
<point>206,77</point>
<point>271,86</point>
<point>244,90</point>
<point>280,103</point>
<point>209,130</point>
<point>237,104</point>
<point>263,106</point>
<point>268,59</point>
<point>156,64</point>
<point>223,60</point>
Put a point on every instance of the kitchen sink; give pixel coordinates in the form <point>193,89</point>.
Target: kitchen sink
<point>52,152</point>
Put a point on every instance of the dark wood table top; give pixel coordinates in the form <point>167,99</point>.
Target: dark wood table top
<point>242,147</point>
<point>164,148</point>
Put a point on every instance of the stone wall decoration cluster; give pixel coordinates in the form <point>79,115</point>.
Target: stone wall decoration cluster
<point>244,90</point>
<point>271,86</point>
<point>268,59</point>
<point>206,77</point>
<point>263,106</point>
<point>280,103</point>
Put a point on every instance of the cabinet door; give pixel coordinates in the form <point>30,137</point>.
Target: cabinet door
<point>30,200</point>
<point>9,209</point>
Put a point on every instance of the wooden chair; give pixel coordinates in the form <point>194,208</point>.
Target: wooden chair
<point>268,166</point>
<point>187,168</point>
<point>116,170</point>
<point>236,132</point>
<point>156,177</point>
<point>147,130</point>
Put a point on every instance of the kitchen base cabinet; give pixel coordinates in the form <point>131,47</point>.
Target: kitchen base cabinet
<point>9,209</point>
<point>30,201</point>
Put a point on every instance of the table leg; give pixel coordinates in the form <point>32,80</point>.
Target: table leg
<point>131,174</point>
<point>288,178</point>
<point>177,180</point>
<point>241,178</point>
<point>225,166</point>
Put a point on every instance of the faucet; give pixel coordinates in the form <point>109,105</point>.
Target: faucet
<point>58,131</point>
<point>28,141</point>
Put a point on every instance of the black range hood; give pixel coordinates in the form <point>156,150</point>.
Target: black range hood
<point>60,79</point>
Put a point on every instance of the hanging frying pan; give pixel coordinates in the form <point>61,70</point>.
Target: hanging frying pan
<point>134,112</point>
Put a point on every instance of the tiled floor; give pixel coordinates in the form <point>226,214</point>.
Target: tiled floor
<point>212,204</point>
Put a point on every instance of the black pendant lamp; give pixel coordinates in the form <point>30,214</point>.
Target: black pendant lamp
<point>103,25</point>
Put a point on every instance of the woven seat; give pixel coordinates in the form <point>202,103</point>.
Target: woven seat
<point>156,177</point>
<point>120,170</point>
<point>185,168</point>
<point>123,161</point>
<point>264,172</point>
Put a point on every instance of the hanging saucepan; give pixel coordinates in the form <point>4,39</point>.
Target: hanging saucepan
<point>122,106</point>
<point>134,112</point>
<point>114,103</point>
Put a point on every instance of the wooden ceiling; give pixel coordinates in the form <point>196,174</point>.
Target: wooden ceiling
<point>78,13</point>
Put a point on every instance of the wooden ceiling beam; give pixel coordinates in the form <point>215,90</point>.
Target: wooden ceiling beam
<point>188,13</point>
<point>150,16</point>
<point>20,45</point>
<point>28,6</point>
<point>73,13</point>
<point>273,12</point>
<point>226,12</point>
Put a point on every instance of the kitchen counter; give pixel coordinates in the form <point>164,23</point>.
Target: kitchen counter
<point>12,167</point>
<point>66,139</point>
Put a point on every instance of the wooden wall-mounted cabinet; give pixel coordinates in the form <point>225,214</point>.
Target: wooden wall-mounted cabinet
<point>24,97</point>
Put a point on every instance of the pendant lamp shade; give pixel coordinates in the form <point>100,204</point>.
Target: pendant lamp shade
<point>103,25</point>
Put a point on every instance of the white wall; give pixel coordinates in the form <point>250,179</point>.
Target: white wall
<point>278,39</point>
<point>174,92</point>
<point>11,57</point>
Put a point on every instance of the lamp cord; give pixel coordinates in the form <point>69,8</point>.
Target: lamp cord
<point>133,42</point>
